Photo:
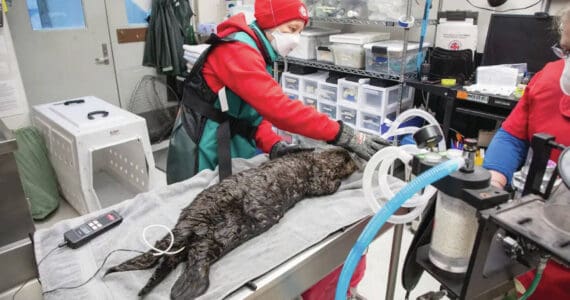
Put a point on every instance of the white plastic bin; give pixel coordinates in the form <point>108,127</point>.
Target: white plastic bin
<point>359,38</point>
<point>328,108</point>
<point>310,83</point>
<point>325,54</point>
<point>348,115</point>
<point>291,81</point>
<point>348,55</point>
<point>310,39</point>
<point>101,154</point>
<point>309,101</point>
<point>292,95</point>
<point>386,56</point>
<point>370,122</point>
<point>348,91</point>
<point>377,98</point>
<point>327,92</point>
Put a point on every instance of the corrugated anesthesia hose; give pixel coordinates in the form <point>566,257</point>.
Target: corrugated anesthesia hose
<point>428,177</point>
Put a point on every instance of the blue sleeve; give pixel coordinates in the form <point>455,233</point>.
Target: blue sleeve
<point>505,154</point>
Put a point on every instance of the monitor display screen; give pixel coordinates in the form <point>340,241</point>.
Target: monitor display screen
<point>520,39</point>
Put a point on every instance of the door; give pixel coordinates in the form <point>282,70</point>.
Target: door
<point>63,49</point>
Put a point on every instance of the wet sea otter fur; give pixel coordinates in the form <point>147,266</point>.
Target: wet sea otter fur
<point>240,207</point>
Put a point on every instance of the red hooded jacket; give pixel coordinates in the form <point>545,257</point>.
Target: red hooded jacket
<point>242,69</point>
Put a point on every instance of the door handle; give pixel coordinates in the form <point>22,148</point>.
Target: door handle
<point>104,60</point>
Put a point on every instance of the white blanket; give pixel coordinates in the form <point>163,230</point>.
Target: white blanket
<point>309,222</point>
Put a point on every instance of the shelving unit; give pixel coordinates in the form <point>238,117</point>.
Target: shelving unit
<point>347,70</point>
<point>355,21</point>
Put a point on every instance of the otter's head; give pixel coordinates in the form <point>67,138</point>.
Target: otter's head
<point>335,163</point>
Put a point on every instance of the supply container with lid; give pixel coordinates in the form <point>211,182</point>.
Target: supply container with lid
<point>309,40</point>
<point>325,53</point>
<point>387,56</point>
<point>347,47</point>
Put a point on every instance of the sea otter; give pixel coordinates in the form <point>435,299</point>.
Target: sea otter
<point>240,207</point>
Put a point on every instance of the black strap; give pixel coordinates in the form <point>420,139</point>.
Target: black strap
<point>199,98</point>
<point>207,110</point>
<point>224,151</point>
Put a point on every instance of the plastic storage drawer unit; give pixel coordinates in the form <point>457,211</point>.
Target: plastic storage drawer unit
<point>370,122</point>
<point>348,115</point>
<point>377,98</point>
<point>348,91</point>
<point>292,95</point>
<point>101,153</point>
<point>310,83</point>
<point>291,82</point>
<point>310,101</point>
<point>328,108</point>
<point>327,92</point>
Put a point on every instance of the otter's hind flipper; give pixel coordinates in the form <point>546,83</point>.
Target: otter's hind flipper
<point>166,266</point>
<point>139,262</point>
<point>194,280</point>
<point>143,261</point>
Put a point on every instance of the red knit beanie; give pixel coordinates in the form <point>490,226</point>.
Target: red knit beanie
<point>272,13</point>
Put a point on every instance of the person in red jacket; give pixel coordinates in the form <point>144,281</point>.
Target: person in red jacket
<point>544,108</point>
<point>239,81</point>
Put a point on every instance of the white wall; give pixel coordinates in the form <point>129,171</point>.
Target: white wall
<point>485,16</point>
<point>10,72</point>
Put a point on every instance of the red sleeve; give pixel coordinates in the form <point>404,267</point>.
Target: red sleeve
<point>265,137</point>
<point>517,121</point>
<point>242,69</point>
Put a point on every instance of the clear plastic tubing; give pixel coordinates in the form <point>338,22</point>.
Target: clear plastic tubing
<point>408,114</point>
<point>382,161</point>
<point>428,177</point>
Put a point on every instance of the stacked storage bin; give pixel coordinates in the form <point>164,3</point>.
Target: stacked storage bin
<point>310,87</point>
<point>310,40</point>
<point>348,47</point>
<point>327,99</point>
<point>291,84</point>
<point>386,56</point>
<point>379,106</point>
<point>349,100</point>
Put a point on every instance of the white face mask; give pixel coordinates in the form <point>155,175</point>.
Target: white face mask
<point>565,78</point>
<point>284,43</point>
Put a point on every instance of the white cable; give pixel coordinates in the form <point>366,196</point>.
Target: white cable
<point>159,251</point>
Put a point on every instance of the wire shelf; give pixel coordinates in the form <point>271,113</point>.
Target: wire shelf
<point>356,21</point>
<point>331,67</point>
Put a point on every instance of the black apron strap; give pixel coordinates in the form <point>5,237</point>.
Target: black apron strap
<point>224,151</point>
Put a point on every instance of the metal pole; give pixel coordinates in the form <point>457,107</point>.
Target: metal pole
<point>545,7</point>
<point>394,261</point>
